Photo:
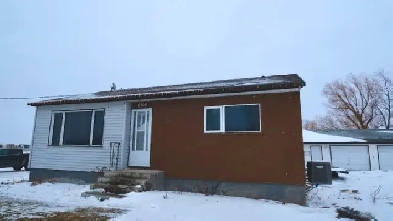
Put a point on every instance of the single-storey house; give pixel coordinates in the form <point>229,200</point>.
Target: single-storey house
<point>360,150</point>
<point>245,133</point>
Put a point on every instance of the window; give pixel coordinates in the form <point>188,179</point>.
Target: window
<point>77,128</point>
<point>233,118</point>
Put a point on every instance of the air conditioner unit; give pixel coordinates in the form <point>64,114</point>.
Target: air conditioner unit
<point>319,172</point>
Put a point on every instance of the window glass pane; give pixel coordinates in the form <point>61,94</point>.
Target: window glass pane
<point>98,130</point>
<point>242,118</point>
<point>57,121</point>
<point>134,131</point>
<point>140,140</point>
<point>77,128</point>
<point>213,121</point>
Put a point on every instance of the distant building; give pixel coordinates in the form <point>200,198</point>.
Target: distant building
<point>15,146</point>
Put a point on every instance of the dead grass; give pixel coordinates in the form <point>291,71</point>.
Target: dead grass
<point>91,213</point>
<point>41,181</point>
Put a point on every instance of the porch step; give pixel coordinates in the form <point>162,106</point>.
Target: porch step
<point>125,181</point>
<point>109,188</point>
<point>137,174</point>
<point>118,180</point>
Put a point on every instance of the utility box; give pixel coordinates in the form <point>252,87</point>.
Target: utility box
<point>319,172</point>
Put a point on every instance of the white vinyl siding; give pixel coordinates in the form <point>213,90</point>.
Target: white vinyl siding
<point>350,157</point>
<point>385,157</point>
<point>77,158</point>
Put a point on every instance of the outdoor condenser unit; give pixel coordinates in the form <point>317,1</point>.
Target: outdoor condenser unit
<point>319,172</point>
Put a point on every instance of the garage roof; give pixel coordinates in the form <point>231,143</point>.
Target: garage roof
<point>317,137</point>
<point>369,135</point>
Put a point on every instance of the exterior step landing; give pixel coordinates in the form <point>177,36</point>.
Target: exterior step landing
<point>126,181</point>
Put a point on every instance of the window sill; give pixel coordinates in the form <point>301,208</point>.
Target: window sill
<point>92,146</point>
<point>236,133</point>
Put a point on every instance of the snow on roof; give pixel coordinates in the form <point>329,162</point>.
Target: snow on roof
<point>272,82</point>
<point>314,137</point>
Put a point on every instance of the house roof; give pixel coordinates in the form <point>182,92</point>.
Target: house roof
<point>370,135</point>
<point>239,85</point>
<point>316,137</point>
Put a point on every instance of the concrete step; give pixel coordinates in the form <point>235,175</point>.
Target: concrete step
<point>137,174</point>
<point>118,189</point>
<point>122,181</point>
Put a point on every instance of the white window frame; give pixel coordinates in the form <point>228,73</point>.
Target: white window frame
<point>62,128</point>
<point>222,119</point>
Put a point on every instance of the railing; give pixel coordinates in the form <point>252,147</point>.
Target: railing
<point>114,154</point>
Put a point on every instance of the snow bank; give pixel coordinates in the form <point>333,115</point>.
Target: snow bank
<point>314,137</point>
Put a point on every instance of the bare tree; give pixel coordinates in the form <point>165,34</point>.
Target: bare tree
<point>311,125</point>
<point>326,122</point>
<point>353,103</point>
<point>385,103</point>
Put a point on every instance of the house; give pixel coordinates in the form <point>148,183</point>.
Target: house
<point>245,134</point>
<point>360,150</point>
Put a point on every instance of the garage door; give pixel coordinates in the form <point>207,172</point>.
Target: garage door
<point>385,157</point>
<point>316,153</point>
<point>350,157</point>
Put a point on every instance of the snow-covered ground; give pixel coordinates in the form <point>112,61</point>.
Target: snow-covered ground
<point>189,206</point>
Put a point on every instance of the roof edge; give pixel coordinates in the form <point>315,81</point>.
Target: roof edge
<point>231,91</point>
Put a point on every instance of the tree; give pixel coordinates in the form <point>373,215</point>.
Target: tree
<point>385,103</point>
<point>353,103</point>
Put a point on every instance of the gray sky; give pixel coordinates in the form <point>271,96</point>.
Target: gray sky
<point>70,47</point>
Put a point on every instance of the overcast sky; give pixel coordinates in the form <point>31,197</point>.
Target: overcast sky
<point>71,47</point>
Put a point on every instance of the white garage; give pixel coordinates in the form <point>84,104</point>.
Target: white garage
<point>350,157</point>
<point>385,155</point>
<point>316,153</point>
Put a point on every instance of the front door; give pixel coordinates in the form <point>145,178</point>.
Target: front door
<point>140,137</point>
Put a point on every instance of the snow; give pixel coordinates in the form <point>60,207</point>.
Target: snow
<point>191,87</point>
<point>8,175</point>
<point>387,131</point>
<point>314,137</point>
<point>173,206</point>
<point>366,183</point>
<point>338,169</point>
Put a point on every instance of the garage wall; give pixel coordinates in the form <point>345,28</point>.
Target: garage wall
<point>373,151</point>
<point>373,154</point>
<point>385,156</point>
<point>325,152</point>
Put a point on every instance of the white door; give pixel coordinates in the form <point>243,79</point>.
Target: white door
<point>316,153</point>
<point>140,137</point>
<point>350,157</point>
<point>385,157</point>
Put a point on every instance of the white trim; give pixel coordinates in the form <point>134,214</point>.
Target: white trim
<point>92,127</point>
<point>51,128</point>
<point>62,128</point>
<point>32,138</point>
<point>276,91</point>
<point>150,111</point>
<point>220,108</point>
<point>133,121</point>
<point>147,133</point>
<point>222,118</point>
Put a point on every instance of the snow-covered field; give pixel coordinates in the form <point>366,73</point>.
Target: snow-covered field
<point>190,206</point>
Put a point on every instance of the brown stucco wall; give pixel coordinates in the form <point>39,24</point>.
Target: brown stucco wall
<point>183,151</point>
